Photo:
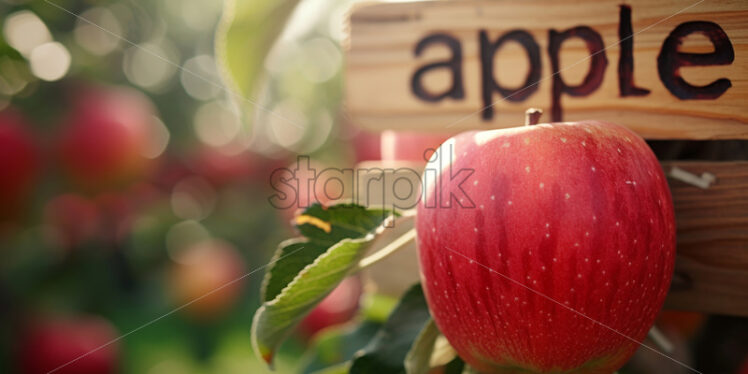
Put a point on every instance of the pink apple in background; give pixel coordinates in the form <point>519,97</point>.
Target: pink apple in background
<point>338,307</point>
<point>107,137</point>
<point>207,278</point>
<point>74,218</point>
<point>221,167</point>
<point>49,344</point>
<point>558,225</point>
<point>19,163</point>
<point>410,146</point>
<point>367,146</point>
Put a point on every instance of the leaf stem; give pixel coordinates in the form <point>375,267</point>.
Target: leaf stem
<point>391,248</point>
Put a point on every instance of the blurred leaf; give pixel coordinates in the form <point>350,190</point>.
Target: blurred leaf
<point>342,368</point>
<point>377,307</point>
<point>417,360</point>
<point>337,346</point>
<point>246,33</point>
<point>344,231</point>
<point>7,50</point>
<point>386,352</point>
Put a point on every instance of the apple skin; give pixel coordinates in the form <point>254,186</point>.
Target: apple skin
<point>51,343</point>
<point>410,146</point>
<point>104,140</point>
<point>578,212</point>
<point>338,307</point>
<point>19,163</point>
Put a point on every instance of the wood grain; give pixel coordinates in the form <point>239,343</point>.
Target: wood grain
<point>712,266</point>
<point>711,272</point>
<point>381,62</point>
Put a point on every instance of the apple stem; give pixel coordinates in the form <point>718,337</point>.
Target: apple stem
<point>532,116</point>
<point>391,248</point>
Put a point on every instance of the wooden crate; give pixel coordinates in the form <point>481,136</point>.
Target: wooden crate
<point>432,66</point>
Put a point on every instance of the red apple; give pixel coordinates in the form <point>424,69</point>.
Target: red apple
<point>106,137</point>
<point>75,219</point>
<point>575,222</point>
<point>207,278</point>
<point>18,163</point>
<point>85,345</point>
<point>410,146</point>
<point>338,307</point>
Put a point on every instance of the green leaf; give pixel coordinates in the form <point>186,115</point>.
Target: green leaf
<point>344,221</point>
<point>418,358</point>
<point>337,346</point>
<point>292,256</point>
<point>246,33</point>
<point>386,352</point>
<point>377,307</point>
<point>337,238</point>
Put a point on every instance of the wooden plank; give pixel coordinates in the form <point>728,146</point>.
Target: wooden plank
<point>711,272</point>
<point>712,266</point>
<point>382,62</point>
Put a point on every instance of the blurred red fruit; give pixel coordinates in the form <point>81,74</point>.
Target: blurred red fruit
<point>81,344</point>
<point>410,146</point>
<point>75,219</point>
<point>221,167</point>
<point>107,137</point>
<point>367,146</point>
<point>207,278</point>
<point>338,307</point>
<point>18,163</point>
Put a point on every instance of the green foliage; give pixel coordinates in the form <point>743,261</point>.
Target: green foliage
<point>417,360</point>
<point>339,235</point>
<point>334,348</point>
<point>346,221</point>
<point>386,352</point>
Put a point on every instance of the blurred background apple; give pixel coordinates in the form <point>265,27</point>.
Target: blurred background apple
<point>106,138</point>
<point>19,163</point>
<point>410,146</point>
<point>80,345</point>
<point>206,278</point>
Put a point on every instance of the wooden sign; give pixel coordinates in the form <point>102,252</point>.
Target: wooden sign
<point>673,69</point>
